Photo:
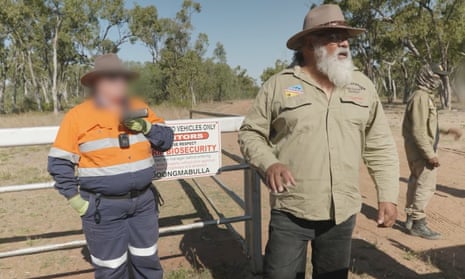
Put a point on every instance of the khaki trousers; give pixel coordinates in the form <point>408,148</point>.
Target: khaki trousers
<point>421,188</point>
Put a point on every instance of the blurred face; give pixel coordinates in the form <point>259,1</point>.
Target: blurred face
<point>111,88</point>
<point>330,51</point>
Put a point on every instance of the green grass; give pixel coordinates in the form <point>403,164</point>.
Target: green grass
<point>410,255</point>
<point>188,274</point>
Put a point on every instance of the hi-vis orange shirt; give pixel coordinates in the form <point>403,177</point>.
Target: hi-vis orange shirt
<point>89,139</point>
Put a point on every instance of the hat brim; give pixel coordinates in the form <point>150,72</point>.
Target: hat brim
<point>89,78</point>
<point>295,42</point>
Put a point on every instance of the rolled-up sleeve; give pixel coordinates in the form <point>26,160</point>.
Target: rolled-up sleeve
<point>380,154</point>
<point>254,133</point>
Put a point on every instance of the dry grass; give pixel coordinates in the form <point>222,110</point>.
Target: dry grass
<point>46,211</point>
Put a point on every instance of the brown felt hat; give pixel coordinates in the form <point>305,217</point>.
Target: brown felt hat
<point>107,64</point>
<point>323,17</point>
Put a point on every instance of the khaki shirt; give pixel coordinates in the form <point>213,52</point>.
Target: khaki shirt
<point>420,126</point>
<point>322,142</point>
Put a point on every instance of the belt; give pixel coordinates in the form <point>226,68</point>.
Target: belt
<point>129,195</point>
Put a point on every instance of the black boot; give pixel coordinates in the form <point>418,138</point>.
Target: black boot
<point>420,228</point>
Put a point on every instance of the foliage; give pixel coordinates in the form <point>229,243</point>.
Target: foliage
<point>279,65</point>
<point>402,36</point>
<point>46,46</point>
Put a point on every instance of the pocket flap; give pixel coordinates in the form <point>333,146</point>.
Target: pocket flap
<point>355,100</point>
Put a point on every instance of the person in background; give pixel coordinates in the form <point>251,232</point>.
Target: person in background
<point>307,132</point>
<point>112,191</point>
<point>421,133</point>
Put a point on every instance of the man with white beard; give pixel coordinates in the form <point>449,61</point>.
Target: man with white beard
<point>307,132</point>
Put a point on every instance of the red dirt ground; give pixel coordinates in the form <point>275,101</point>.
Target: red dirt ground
<point>43,217</point>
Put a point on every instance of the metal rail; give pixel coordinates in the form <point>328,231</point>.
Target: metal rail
<point>49,185</point>
<point>251,204</point>
<point>80,243</point>
<point>27,187</point>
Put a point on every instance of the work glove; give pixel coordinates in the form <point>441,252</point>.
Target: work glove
<point>79,204</point>
<point>139,125</point>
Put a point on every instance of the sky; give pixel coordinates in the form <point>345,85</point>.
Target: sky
<point>254,32</point>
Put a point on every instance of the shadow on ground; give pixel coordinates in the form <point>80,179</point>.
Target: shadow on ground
<point>212,248</point>
<point>217,250</point>
<point>368,260</point>
<point>459,193</point>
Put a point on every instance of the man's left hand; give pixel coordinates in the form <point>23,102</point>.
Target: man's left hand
<point>387,214</point>
<point>139,125</point>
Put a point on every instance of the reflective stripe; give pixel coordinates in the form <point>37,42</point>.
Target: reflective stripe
<point>114,263</point>
<point>63,154</point>
<point>108,143</point>
<point>143,252</point>
<point>117,169</point>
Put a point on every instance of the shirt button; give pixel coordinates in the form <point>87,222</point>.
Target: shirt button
<point>129,157</point>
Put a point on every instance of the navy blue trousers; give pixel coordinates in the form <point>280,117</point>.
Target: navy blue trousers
<point>126,237</point>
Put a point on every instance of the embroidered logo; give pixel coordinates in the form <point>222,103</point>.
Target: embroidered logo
<point>355,88</point>
<point>293,91</point>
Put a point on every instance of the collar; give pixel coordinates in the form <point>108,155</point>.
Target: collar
<point>299,73</point>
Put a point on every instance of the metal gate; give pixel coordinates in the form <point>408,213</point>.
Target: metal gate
<point>251,203</point>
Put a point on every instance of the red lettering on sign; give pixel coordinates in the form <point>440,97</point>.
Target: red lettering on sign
<point>191,136</point>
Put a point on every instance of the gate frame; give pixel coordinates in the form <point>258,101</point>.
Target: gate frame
<point>229,123</point>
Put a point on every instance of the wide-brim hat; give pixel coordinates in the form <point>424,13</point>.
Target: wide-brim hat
<point>323,17</point>
<point>107,64</point>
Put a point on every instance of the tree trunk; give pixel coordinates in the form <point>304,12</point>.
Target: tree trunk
<point>447,92</point>
<point>35,85</point>
<point>45,92</point>
<point>394,91</point>
<point>55,66</point>
<point>2,95</point>
<point>406,83</point>
<point>194,100</point>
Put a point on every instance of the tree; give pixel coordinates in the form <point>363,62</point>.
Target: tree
<point>219,53</point>
<point>46,46</point>
<point>404,35</point>
<point>279,65</point>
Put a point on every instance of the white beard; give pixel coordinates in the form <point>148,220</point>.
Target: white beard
<point>338,71</point>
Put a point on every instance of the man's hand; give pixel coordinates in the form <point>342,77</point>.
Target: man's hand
<point>456,132</point>
<point>433,162</point>
<point>387,214</point>
<point>139,125</point>
<point>278,178</point>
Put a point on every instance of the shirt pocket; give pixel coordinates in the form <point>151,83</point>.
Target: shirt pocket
<point>355,109</point>
<point>293,115</point>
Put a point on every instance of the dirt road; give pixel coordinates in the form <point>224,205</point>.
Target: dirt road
<point>43,217</point>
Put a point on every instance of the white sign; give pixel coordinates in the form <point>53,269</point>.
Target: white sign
<point>196,150</point>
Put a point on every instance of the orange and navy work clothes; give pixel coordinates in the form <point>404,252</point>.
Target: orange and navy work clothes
<point>89,139</point>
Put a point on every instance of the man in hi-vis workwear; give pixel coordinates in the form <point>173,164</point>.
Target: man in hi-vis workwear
<point>112,191</point>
